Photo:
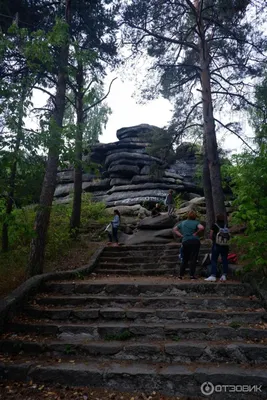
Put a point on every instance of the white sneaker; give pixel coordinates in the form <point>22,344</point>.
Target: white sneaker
<point>211,279</point>
<point>223,278</point>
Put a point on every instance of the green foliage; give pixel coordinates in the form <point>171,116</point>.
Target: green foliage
<point>235,324</point>
<point>258,114</point>
<point>93,211</point>
<point>249,177</point>
<point>69,349</point>
<point>21,226</point>
<point>178,201</point>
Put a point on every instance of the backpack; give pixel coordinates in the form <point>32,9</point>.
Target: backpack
<point>223,236</point>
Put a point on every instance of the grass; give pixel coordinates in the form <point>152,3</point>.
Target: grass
<point>176,338</point>
<point>62,251</point>
<point>235,324</point>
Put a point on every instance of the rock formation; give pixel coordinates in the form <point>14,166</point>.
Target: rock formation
<point>129,175</point>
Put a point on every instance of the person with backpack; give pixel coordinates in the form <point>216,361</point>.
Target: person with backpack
<point>188,230</point>
<point>115,223</point>
<point>169,201</point>
<point>220,237</point>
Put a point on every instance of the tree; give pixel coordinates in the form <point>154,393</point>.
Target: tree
<point>87,115</point>
<point>259,115</point>
<point>87,67</point>
<point>203,52</point>
<point>88,28</point>
<point>37,252</point>
<point>15,92</point>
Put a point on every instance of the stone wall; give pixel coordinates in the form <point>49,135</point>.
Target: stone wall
<point>129,175</point>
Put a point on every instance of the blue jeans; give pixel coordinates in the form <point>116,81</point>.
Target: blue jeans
<point>215,252</point>
<point>114,234</point>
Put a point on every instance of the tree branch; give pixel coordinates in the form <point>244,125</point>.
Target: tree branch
<point>237,95</point>
<point>102,99</point>
<point>236,134</point>
<point>88,87</point>
<point>45,91</point>
<point>166,39</point>
<point>186,120</point>
<point>70,101</point>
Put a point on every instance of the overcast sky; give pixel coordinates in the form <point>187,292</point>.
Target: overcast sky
<point>127,111</point>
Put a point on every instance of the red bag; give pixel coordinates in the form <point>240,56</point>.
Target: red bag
<point>232,258</point>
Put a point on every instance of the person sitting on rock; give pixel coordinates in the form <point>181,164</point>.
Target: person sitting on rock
<point>188,230</point>
<point>156,210</point>
<point>170,202</point>
<point>115,225</point>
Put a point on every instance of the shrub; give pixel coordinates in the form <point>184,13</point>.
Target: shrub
<point>21,231</point>
<point>249,177</point>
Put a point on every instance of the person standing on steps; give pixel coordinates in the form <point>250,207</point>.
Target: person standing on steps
<point>189,230</point>
<point>170,202</point>
<point>115,225</point>
<point>219,234</point>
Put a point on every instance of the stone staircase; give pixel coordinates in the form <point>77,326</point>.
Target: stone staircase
<point>143,260</point>
<point>125,328</point>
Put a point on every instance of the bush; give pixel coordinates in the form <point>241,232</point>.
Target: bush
<point>21,223</point>
<point>249,177</point>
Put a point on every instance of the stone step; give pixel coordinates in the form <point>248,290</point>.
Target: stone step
<point>175,379</point>
<point>143,314</point>
<point>106,330</point>
<point>138,265</point>
<point>160,351</point>
<point>200,302</point>
<point>139,288</point>
<point>147,253</point>
<point>136,272</point>
<point>150,247</point>
<point>138,259</point>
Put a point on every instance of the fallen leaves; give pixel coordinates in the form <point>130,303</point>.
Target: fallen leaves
<point>34,391</point>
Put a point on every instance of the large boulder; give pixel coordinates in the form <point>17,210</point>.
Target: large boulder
<point>134,157</point>
<point>65,190</point>
<point>150,236</point>
<point>146,194</point>
<point>136,211</point>
<point>137,179</point>
<point>133,132</point>
<point>144,186</point>
<point>134,200</point>
<point>120,181</point>
<point>160,222</point>
<point>134,175</point>
<point>124,170</point>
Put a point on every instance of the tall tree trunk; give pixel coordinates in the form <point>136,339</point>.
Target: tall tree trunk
<point>13,172</point>
<point>211,148</point>
<point>77,198</point>
<point>210,217</point>
<point>211,160</point>
<point>37,251</point>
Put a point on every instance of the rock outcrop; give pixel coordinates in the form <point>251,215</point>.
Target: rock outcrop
<point>129,175</point>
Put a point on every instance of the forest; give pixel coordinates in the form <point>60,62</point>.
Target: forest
<point>207,57</point>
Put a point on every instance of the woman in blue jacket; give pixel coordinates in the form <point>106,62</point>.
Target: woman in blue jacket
<point>115,225</point>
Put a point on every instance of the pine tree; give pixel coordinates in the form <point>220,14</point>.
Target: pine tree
<point>203,51</point>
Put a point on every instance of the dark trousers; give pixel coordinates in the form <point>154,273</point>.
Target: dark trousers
<point>190,255</point>
<point>114,234</point>
<point>215,252</point>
